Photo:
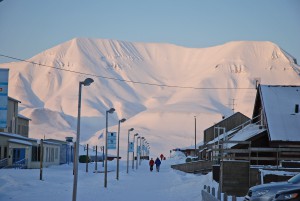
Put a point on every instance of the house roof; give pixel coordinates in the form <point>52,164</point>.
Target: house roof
<point>15,100</point>
<point>226,119</point>
<point>246,133</point>
<point>279,103</point>
<point>20,142</point>
<point>23,117</point>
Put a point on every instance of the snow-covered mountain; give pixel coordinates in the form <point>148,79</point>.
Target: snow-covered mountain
<point>139,80</point>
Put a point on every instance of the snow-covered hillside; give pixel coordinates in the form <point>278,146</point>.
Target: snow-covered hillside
<point>164,114</point>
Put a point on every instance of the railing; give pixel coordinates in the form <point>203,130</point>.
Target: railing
<point>3,162</point>
<point>21,164</point>
<point>256,154</point>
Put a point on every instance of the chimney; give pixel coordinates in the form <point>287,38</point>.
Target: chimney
<point>69,139</point>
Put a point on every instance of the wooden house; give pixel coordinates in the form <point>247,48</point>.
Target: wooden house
<point>220,131</point>
<point>274,135</point>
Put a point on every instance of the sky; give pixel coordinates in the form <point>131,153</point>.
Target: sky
<point>32,26</point>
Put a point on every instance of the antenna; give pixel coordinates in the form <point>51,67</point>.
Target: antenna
<point>233,104</point>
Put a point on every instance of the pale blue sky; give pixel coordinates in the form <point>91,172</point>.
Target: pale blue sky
<point>28,27</point>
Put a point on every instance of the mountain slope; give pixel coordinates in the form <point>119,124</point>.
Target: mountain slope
<point>164,114</point>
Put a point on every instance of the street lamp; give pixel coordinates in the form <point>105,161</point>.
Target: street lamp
<point>137,151</point>
<point>195,136</point>
<point>86,82</point>
<point>142,138</point>
<point>111,110</point>
<point>118,149</point>
<point>133,150</point>
<point>131,129</point>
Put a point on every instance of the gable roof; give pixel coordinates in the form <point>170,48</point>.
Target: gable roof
<point>223,121</point>
<point>278,103</point>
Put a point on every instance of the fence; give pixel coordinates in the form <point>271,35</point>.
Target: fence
<point>209,194</point>
<point>194,167</point>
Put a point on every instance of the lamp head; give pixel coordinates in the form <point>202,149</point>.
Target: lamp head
<point>87,81</point>
<point>111,110</point>
<point>122,120</point>
<point>136,134</point>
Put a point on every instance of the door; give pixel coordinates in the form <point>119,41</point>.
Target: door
<point>18,154</point>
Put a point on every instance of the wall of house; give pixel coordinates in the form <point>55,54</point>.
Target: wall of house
<point>23,127</point>
<point>51,156</point>
<point>3,148</point>
<point>12,146</point>
<point>12,116</point>
<point>229,123</point>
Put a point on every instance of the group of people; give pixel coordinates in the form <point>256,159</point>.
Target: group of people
<point>157,163</point>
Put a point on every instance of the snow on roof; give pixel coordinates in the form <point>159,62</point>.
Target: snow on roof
<point>192,146</point>
<point>20,142</point>
<point>15,100</point>
<point>23,117</point>
<point>13,135</point>
<point>222,136</point>
<point>279,106</point>
<point>246,133</point>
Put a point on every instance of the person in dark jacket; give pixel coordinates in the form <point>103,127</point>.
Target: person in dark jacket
<point>151,164</point>
<point>157,164</point>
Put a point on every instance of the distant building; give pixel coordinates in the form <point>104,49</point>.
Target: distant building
<point>16,123</point>
<point>226,124</point>
<point>23,152</point>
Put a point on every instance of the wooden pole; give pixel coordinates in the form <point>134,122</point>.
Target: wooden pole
<point>87,158</point>
<point>96,160</point>
<point>41,160</point>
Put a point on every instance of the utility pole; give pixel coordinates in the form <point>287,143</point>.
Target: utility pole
<point>195,136</point>
<point>41,159</point>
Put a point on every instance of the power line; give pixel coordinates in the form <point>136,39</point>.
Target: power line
<point>123,80</point>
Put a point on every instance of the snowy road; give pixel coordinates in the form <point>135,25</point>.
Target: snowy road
<point>138,185</point>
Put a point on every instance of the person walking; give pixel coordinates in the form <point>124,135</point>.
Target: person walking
<point>161,157</point>
<point>157,164</point>
<point>151,164</point>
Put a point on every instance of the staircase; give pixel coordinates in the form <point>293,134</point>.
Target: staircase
<point>3,163</point>
<point>21,164</point>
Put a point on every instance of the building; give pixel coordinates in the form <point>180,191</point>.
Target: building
<point>23,152</point>
<point>16,123</point>
<point>271,137</point>
<point>274,135</point>
<point>219,132</point>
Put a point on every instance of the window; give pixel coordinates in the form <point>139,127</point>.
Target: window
<point>56,153</point>
<point>5,152</point>
<point>35,153</point>
<point>52,155</point>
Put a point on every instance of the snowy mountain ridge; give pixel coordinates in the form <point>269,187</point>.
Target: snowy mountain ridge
<point>138,80</point>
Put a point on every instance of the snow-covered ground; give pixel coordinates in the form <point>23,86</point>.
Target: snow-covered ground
<point>140,184</point>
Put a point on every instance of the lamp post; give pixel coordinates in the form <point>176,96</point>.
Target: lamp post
<point>118,148</point>
<point>133,150</point>
<point>111,110</point>
<point>131,129</point>
<point>86,82</point>
<point>141,153</point>
<point>137,151</point>
<point>96,157</point>
<point>195,136</point>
